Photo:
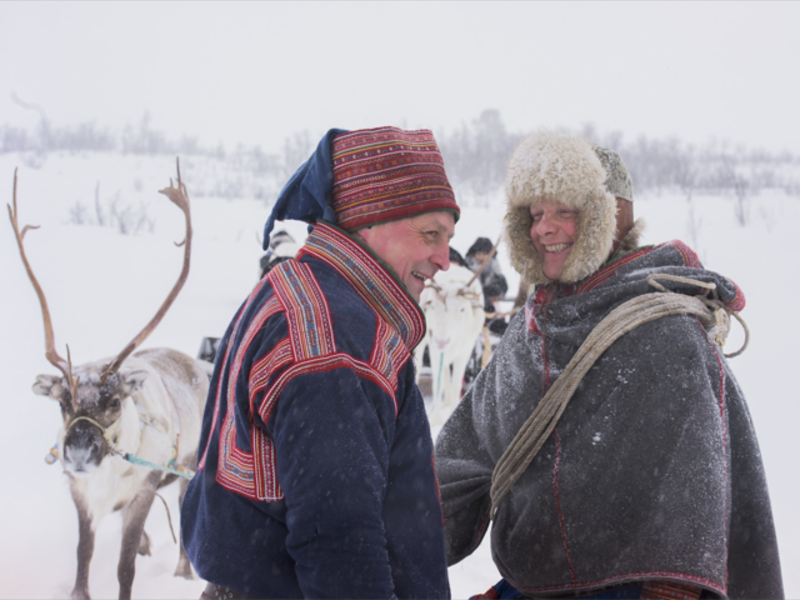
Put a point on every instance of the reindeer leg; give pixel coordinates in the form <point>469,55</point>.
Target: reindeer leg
<point>133,517</point>
<point>85,551</point>
<point>184,568</point>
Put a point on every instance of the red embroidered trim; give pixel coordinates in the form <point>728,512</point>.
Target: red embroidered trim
<point>690,258</point>
<point>633,576</point>
<point>490,594</point>
<point>306,310</point>
<point>379,289</point>
<point>738,302</point>
<point>669,590</point>
<point>558,506</point>
<point>606,272</point>
<point>218,395</point>
<point>389,353</point>
<point>722,426</point>
<point>318,365</point>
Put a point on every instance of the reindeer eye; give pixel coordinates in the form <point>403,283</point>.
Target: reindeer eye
<point>114,403</point>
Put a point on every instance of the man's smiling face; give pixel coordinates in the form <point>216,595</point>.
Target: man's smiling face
<point>553,234</point>
<point>415,249</point>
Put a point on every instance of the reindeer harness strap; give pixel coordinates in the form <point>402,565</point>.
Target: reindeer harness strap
<point>109,434</point>
<point>714,315</point>
<point>173,468</point>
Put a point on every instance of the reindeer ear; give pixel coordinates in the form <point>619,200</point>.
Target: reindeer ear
<point>132,381</point>
<point>49,385</point>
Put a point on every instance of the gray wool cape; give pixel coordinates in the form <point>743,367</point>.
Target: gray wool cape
<point>653,471</point>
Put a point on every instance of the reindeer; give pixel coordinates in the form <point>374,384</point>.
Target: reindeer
<point>453,307</point>
<point>144,407</point>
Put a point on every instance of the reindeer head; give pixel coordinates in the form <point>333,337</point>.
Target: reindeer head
<point>451,301</point>
<point>94,397</point>
<point>92,420</point>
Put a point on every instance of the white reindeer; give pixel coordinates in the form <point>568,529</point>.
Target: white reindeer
<point>119,414</point>
<point>453,307</point>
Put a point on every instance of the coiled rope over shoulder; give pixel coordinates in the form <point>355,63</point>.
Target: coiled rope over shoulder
<point>714,315</point>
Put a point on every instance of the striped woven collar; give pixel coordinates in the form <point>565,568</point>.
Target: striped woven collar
<point>670,254</point>
<point>371,279</point>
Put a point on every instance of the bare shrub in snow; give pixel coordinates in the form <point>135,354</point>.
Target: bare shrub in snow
<point>741,186</point>
<point>475,155</point>
<point>694,224</point>
<point>124,217</point>
<point>78,215</point>
<point>129,220</point>
<point>100,213</point>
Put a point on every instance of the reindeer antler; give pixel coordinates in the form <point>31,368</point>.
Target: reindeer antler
<point>467,293</point>
<point>180,197</point>
<point>435,286</point>
<point>65,366</point>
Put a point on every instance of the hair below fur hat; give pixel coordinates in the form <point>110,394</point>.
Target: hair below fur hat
<point>551,167</point>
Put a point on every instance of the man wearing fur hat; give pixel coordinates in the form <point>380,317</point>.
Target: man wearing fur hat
<point>621,465</point>
<point>315,465</point>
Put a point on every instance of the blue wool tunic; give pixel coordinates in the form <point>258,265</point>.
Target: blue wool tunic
<point>315,474</point>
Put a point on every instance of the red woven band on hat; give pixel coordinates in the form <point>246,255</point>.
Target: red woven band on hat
<point>387,173</point>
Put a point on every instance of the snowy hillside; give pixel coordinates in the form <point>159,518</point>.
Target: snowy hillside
<point>102,287</point>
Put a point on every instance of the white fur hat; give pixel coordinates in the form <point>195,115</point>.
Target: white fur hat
<point>550,166</point>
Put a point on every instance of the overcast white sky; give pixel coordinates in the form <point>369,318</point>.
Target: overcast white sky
<point>256,72</point>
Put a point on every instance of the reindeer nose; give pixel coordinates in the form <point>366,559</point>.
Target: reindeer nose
<point>83,448</point>
<point>441,344</point>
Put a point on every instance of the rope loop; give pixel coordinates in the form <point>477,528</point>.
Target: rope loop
<point>718,323</point>
<point>108,432</point>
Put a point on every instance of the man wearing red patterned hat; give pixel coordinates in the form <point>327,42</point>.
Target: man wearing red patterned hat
<point>315,466</point>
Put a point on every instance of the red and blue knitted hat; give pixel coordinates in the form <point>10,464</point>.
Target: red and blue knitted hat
<point>385,174</point>
<point>360,178</point>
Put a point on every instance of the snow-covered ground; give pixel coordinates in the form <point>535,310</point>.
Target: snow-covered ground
<point>102,287</point>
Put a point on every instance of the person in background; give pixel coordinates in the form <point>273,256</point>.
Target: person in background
<point>315,470</point>
<point>282,246</point>
<point>641,477</point>
<point>492,279</point>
